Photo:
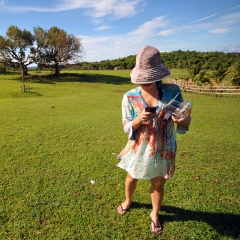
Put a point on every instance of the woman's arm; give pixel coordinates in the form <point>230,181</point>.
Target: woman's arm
<point>132,121</point>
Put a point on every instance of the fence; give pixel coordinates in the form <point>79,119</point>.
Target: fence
<point>213,91</point>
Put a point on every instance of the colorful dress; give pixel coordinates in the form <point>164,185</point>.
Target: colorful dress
<point>151,149</point>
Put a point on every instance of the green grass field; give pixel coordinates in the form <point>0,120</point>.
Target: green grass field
<point>67,131</point>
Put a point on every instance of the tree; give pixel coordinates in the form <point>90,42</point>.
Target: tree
<point>194,71</point>
<point>16,48</point>
<point>236,73</point>
<point>105,64</point>
<point>2,67</point>
<point>56,47</point>
<point>201,78</point>
<point>185,81</point>
<point>219,74</point>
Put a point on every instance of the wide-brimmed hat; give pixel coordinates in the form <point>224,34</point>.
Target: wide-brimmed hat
<point>148,67</point>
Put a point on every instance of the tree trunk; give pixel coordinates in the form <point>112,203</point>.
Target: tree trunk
<point>56,69</point>
<point>25,70</point>
<point>23,80</point>
<point>23,73</point>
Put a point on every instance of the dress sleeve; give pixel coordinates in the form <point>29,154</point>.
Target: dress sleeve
<point>126,115</point>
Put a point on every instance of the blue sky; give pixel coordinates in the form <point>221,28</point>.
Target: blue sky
<point>112,29</point>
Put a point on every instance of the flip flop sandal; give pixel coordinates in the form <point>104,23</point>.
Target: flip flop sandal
<point>159,226</point>
<point>124,211</point>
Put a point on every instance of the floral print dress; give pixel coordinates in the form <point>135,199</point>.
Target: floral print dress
<point>151,149</point>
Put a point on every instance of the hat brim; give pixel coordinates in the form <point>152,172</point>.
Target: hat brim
<point>150,75</point>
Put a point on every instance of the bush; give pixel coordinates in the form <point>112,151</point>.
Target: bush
<point>3,68</point>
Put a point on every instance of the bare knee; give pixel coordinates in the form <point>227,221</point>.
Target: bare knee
<point>158,183</point>
<point>130,179</point>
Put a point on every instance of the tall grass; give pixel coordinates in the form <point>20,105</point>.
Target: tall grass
<point>67,131</point>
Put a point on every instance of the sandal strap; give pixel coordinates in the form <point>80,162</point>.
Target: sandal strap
<point>124,210</point>
<point>159,226</point>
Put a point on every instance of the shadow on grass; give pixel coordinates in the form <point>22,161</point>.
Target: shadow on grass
<point>226,224</point>
<point>71,77</point>
<point>36,94</point>
<point>92,78</point>
<point>14,73</point>
<point>26,94</point>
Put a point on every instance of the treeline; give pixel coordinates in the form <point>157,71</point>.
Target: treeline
<point>175,59</point>
<point>120,63</point>
<point>203,67</point>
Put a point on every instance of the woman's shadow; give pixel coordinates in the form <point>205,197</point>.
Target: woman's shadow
<point>226,224</point>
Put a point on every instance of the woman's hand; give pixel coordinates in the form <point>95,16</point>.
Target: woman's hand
<point>141,118</point>
<point>185,121</point>
<point>146,116</point>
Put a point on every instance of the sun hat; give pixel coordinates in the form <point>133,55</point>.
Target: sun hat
<point>148,68</point>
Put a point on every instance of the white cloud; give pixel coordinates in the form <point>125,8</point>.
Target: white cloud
<point>221,25</point>
<point>29,9</point>
<point>126,9</point>
<point>103,28</point>
<point>97,47</point>
<point>118,45</point>
<point>2,2</point>
<point>231,48</point>
<point>101,8</point>
<point>166,33</point>
<point>150,26</point>
<point>220,30</point>
<point>94,8</point>
<point>230,19</point>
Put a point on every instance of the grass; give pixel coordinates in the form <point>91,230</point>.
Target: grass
<point>68,131</point>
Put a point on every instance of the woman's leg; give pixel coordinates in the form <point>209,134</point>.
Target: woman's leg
<point>157,192</point>
<point>130,186</point>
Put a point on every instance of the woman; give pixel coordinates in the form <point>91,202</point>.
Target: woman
<point>151,148</point>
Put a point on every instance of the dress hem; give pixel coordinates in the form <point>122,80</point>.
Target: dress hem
<point>145,178</point>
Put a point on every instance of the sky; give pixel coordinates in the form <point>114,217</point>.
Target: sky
<point>111,29</point>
